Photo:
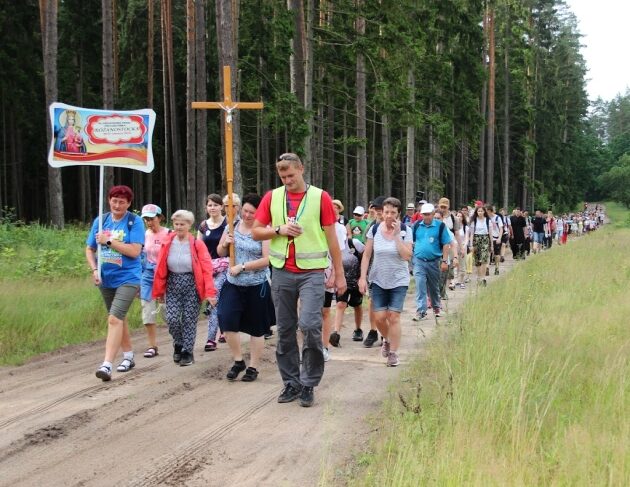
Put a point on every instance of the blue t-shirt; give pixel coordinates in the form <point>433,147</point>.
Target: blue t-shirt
<point>427,244</point>
<point>116,268</point>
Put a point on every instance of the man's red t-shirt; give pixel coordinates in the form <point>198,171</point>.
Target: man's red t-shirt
<point>326,217</point>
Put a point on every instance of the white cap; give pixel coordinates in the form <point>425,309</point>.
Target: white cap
<point>427,208</point>
<point>411,206</point>
<point>359,210</point>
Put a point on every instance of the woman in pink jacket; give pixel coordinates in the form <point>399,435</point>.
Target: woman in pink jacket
<point>184,275</point>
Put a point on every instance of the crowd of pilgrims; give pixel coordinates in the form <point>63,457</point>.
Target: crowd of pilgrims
<point>186,268</point>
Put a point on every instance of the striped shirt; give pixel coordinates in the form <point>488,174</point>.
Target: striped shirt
<point>389,270</point>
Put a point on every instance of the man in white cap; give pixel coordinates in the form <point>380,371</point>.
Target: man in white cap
<point>430,251</point>
<point>406,219</point>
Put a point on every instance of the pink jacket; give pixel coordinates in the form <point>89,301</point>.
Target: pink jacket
<point>201,263</point>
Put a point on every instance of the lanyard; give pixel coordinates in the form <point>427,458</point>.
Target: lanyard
<point>288,204</point>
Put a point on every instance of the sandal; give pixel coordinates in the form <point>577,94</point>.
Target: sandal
<point>250,375</point>
<point>236,369</point>
<point>222,338</point>
<point>126,365</point>
<point>211,346</point>
<point>151,352</point>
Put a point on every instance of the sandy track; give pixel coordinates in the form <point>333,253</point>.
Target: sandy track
<point>162,424</point>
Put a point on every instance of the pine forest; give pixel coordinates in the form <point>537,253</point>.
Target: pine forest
<point>469,99</point>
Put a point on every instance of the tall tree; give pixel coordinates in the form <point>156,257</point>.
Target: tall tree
<point>361,167</point>
<point>201,115</point>
<point>491,106</point>
<point>48,16</point>
<point>191,95</point>
<point>108,73</point>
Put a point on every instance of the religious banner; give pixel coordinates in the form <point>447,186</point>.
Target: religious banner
<point>84,136</point>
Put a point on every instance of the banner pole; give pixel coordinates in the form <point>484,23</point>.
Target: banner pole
<point>101,179</point>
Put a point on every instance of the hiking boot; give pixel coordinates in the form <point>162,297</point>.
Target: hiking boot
<point>307,397</point>
<point>237,368</point>
<point>177,353</point>
<point>326,353</point>
<point>289,394</point>
<point>104,373</point>
<point>370,339</point>
<point>187,358</point>
<point>334,339</point>
<point>357,335</point>
<point>385,349</point>
<point>392,359</point>
<point>496,272</point>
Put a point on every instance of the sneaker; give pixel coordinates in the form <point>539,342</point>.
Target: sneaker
<point>326,354</point>
<point>420,315</point>
<point>187,358</point>
<point>289,394</point>
<point>462,286</point>
<point>502,259</point>
<point>385,349</point>
<point>307,397</point>
<point>177,353</point>
<point>487,271</point>
<point>126,365</point>
<point>452,286</point>
<point>104,373</point>
<point>357,335</point>
<point>268,336</point>
<point>496,272</point>
<point>484,283</point>
<point>437,312</point>
<point>211,346</point>
<point>392,359</point>
<point>236,369</point>
<point>371,338</point>
<point>467,279</point>
<point>251,374</point>
<point>222,338</point>
<point>334,339</point>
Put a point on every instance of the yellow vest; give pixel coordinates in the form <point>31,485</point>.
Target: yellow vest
<point>311,248</point>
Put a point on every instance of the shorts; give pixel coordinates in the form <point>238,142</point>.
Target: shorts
<point>506,238</point>
<point>497,247</point>
<point>352,297</point>
<point>118,299</point>
<point>328,299</point>
<point>150,311</point>
<point>388,299</point>
<point>539,237</point>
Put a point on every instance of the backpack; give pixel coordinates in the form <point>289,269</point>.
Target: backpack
<point>128,215</point>
<point>374,227</point>
<point>440,232</point>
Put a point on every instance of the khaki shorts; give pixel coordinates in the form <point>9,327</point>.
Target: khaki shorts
<point>151,311</point>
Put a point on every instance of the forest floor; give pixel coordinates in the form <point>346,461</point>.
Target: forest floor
<point>161,424</point>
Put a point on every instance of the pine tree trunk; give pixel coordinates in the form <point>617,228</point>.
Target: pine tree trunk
<point>167,112</point>
<point>108,76</point>
<point>386,149</point>
<point>48,16</point>
<point>361,167</point>
<point>310,149</point>
<point>227,40</point>
<point>191,95</point>
<point>481,168</point>
<point>506,113</point>
<point>201,115</point>
<point>491,114</point>
<point>410,183</point>
<point>331,146</point>
<point>148,178</point>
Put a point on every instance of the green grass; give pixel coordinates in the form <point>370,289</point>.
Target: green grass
<point>529,387</point>
<point>47,299</point>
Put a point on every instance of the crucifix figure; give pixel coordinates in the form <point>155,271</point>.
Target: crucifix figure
<point>228,106</point>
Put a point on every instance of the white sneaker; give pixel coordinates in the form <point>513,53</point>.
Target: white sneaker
<point>326,355</point>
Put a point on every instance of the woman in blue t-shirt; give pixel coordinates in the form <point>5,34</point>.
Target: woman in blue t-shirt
<point>121,242</point>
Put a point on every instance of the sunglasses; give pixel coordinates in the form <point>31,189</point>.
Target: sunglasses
<point>288,157</point>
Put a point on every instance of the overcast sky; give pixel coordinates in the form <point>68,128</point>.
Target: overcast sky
<point>604,25</point>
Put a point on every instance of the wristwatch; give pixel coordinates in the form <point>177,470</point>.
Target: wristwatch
<point>444,261</point>
<point>277,230</point>
<point>108,243</point>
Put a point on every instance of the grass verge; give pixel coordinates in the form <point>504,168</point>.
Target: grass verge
<point>530,386</point>
<point>42,316</point>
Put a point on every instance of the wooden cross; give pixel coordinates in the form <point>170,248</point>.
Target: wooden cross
<point>228,106</point>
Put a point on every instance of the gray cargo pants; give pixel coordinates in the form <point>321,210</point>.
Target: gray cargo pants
<point>287,288</point>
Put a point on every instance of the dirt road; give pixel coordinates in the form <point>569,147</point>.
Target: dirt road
<point>161,424</point>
